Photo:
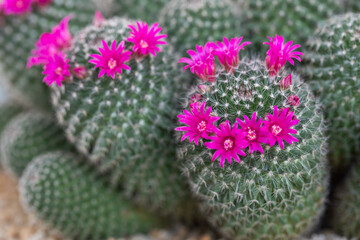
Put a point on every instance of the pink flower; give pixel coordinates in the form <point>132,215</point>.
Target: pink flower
<point>286,82</point>
<point>49,44</point>
<point>228,143</point>
<point>145,40</point>
<point>196,98</point>
<point>98,19</point>
<point>111,61</point>
<point>80,72</point>
<point>253,133</point>
<point>57,70</point>
<point>278,127</point>
<point>16,7</point>
<point>61,33</point>
<point>228,52</point>
<point>202,62</point>
<point>279,53</point>
<point>42,3</point>
<point>199,123</point>
<point>293,100</point>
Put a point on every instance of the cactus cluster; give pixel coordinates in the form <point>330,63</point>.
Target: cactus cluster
<point>278,194</point>
<point>190,22</point>
<point>124,125</point>
<point>18,35</point>
<point>64,191</point>
<point>28,135</point>
<point>346,215</point>
<point>295,19</point>
<point>333,71</point>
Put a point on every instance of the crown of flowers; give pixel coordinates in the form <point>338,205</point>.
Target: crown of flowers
<point>50,51</point>
<point>20,7</point>
<point>251,132</point>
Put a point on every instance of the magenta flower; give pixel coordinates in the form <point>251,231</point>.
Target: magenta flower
<point>111,61</point>
<point>80,72</point>
<point>57,70</point>
<point>286,82</point>
<point>228,52</point>
<point>279,53</point>
<point>16,7</point>
<point>253,133</point>
<point>199,123</point>
<point>293,100</point>
<point>228,143</point>
<point>145,40</point>
<point>98,19</point>
<point>278,127</point>
<point>196,98</point>
<point>61,34</point>
<point>202,62</point>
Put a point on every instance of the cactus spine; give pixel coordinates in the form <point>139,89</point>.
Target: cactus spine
<point>65,192</point>
<point>276,195</point>
<point>333,71</point>
<point>27,136</point>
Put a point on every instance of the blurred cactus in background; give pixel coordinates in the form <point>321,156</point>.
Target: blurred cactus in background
<point>268,192</point>
<point>193,22</point>
<point>62,190</point>
<point>28,135</point>
<point>333,71</point>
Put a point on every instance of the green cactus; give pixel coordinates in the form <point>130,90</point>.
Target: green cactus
<point>125,125</point>
<point>18,35</point>
<point>190,22</point>
<point>27,136</point>
<point>295,19</point>
<point>346,211</point>
<point>65,192</point>
<point>352,5</point>
<point>8,110</point>
<point>276,195</point>
<point>333,71</point>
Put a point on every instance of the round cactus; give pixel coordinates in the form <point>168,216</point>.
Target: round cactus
<point>27,136</point>
<point>333,71</point>
<point>191,22</point>
<point>295,19</point>
<point>346,213</point>
<point>124,124</point>
<point>272,192</point>
<point>9,110</point>
<point>18,34</point>
<point>63,191</point>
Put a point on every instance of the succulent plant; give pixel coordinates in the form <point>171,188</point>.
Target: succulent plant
<point>333,71</point>
<point>272,191</point>
<point>346,213</point>
<point>192,21</point>
<point>18,33</point>
<point>293,19</point>
<point>124,122</point>
<point>65,192</point>
<point>28,135</point>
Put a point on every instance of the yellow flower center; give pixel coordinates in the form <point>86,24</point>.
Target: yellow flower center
<point>275,130</point>
<point>228,144</point>
<point>251,134</point>
<point>144,44</point>
<point>112,63</point>
<point>58,71</point>
<point>201,126</point>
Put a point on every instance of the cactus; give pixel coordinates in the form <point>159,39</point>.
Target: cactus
<point>346,213</point>
<point>192,21</point>
<point>333,72</point>
<point>124,125</point>
<point>18,34</point>
<point>279,194</point>
<point>27,136</point>
<point>9,110</point>
<point>61,190</point>
<point>293,19</point>
<point>352,5</point>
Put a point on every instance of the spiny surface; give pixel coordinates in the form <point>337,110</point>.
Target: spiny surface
<point>293,19</point>
<point>346,212</point>
<point>66,193</point>
<point>27,136</point>
<point>124,125</point>
<point>275,195</point>
<point>333,71</point>
<point>188,23</point>
<point>18,35</point>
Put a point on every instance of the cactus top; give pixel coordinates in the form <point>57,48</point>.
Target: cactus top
<point>227,139</point>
